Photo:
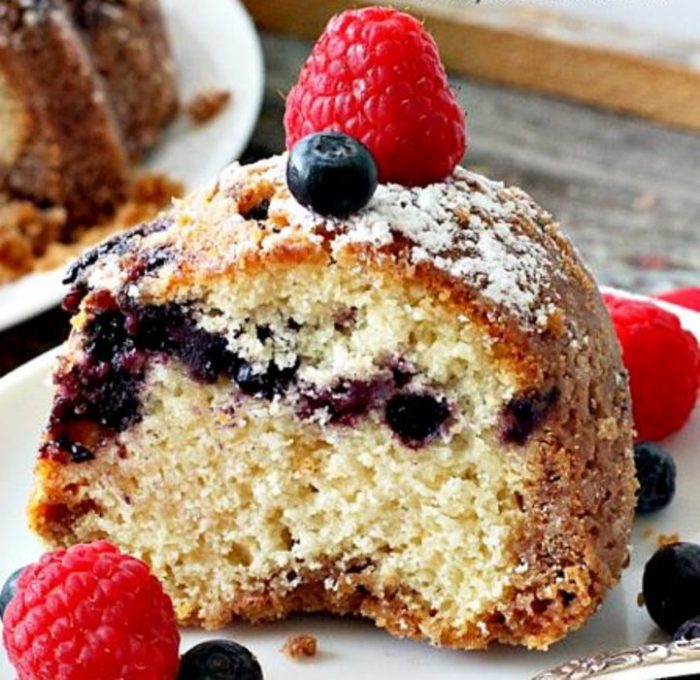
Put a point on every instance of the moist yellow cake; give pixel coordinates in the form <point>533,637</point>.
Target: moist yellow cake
<point>416,414</point>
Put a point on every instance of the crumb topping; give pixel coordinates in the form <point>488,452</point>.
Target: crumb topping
<point>493,239</point>
<point>468,226</point>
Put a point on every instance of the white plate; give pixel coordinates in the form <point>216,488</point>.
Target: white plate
<point>216,46</point>
<point>355,649</point>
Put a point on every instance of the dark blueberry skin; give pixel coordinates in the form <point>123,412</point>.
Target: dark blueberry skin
<point>346,400</point>
<point>523,414</point>
<point>690,630</point>
<point>257,212</point>
<point>8,591</point>
<point>656,473</point>
<point>219,660</point>
<point>671,585</point>
<point>331,173</point>
<point>416,418</point>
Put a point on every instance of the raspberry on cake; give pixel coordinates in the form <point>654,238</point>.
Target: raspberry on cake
<point>375,74</point>
<point>416,413</point>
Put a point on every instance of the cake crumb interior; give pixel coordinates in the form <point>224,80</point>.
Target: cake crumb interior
<point>225,493</point>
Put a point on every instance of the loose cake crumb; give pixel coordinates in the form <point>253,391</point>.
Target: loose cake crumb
<point>25,233</point>
<point>648,532</point>
<point>300,646</point>
<point>33,239</point>
<point>206,105</point>
<point>668,539</point>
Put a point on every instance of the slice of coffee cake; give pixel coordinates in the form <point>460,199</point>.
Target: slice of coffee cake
<point>416,414</point>
<point>129,48</point>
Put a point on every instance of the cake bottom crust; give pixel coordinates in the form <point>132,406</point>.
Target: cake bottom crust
<point>403,613</point>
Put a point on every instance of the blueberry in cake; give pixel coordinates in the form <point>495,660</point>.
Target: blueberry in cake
<point>415,413</point>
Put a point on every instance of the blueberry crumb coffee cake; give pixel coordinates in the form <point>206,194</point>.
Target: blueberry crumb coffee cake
<point>412,410</point>
<point>417,413</point>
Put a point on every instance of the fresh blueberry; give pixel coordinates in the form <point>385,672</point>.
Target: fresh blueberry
<point>331,173</point>
<point>690,630</point>
<point>671,585</point>
<point>219,660</point>
<point>416,418</point>
<point>8,591</point>
<point>656,473</point>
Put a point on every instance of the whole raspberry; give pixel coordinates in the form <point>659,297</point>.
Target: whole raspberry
<point>685,297</point>
<point>91,612</point>
<point>663,362</point>
<point>375,74</point>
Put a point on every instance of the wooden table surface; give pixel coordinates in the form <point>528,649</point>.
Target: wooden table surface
<point>626,192</point>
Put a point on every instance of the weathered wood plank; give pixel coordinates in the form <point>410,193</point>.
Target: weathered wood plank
<point>540,49</point>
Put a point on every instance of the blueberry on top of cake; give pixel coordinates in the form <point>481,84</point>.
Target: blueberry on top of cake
<point>414,412</point>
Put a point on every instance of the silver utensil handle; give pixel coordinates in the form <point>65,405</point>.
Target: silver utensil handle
<point>650,662</point>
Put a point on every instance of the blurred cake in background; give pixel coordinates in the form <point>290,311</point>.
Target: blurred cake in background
<point>129,49</point>
<point>86,87</point>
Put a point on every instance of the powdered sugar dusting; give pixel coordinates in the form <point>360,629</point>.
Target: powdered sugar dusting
<point>467,226</point>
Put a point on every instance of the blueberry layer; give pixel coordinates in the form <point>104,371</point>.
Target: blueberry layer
<point>100,395</point>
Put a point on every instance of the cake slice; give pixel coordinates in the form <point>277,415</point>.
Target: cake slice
<point>59,142</point>
<point>416,414</point>
<point>129,49</point>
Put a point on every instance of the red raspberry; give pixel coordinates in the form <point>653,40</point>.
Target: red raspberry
<point>662,360</point>
<point>375,74</point>
<point>91,612</point>
<point>685,297</point>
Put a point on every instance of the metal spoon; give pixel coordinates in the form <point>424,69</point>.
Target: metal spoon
<point>650,662</point>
